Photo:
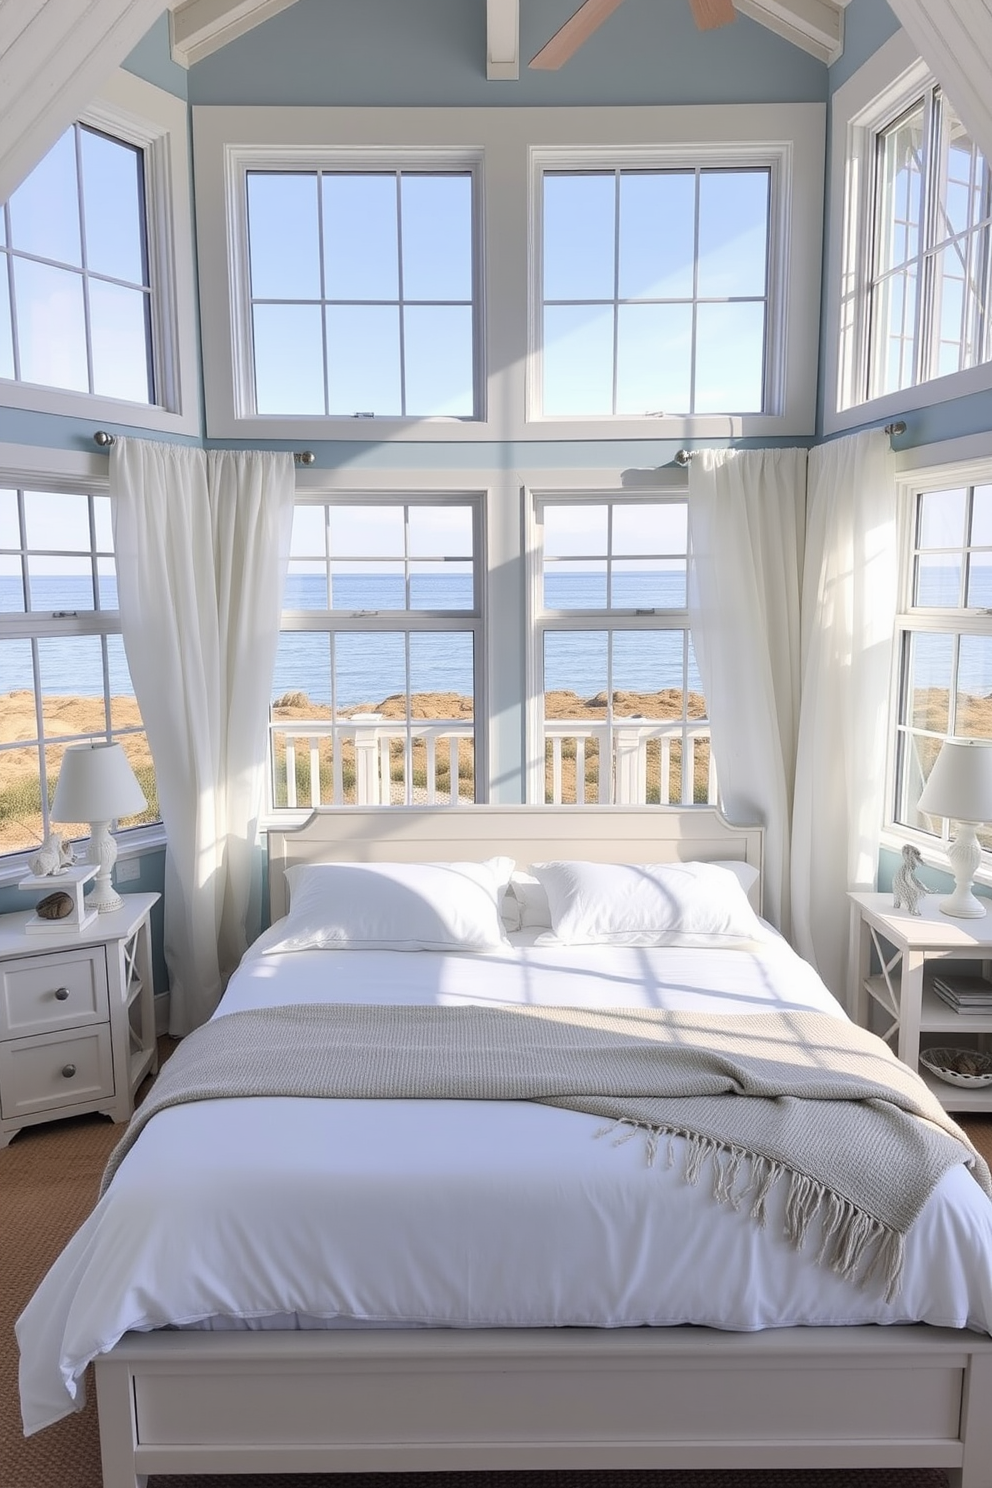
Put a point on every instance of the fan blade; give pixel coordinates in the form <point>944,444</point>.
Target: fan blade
<point>577,29</point>
<point>709,14</point>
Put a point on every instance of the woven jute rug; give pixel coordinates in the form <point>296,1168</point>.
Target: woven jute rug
<point>48,1181</point>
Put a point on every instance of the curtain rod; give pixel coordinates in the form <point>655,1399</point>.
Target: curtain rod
<point>105,440</point>
<point>683,456</point>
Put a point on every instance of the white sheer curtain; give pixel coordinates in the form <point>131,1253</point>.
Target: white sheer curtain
<point>954,38</point>
<point>746,523</point>
<point>202,543</point>
<point>849,598</point>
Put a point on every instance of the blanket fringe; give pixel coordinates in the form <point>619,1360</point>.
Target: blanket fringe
<point>854,1245</point>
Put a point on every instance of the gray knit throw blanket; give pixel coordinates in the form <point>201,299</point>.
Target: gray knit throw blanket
<point>758,1097</point>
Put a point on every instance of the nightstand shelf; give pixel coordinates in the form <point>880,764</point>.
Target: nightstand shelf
<point>897,956</point>
<point>77,1017</point>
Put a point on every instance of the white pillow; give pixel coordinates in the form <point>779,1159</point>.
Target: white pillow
<point>696,904</point>
<point>394,906</point>
<point>531,897</point>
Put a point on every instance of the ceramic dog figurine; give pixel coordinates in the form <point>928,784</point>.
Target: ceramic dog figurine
<point>907,891</point>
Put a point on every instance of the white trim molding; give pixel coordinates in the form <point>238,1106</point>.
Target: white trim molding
<point>199,27</point>
<point>817,26</point>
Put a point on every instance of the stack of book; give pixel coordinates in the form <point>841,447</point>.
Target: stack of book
<point>963,992</point>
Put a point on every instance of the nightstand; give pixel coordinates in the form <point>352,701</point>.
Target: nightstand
<point>77,1016</point>
<point>897,954</point>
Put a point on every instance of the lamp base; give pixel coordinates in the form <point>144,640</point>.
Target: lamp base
<point>964,855</point>
<point>102,851</point>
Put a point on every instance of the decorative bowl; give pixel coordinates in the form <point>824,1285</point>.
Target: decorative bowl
<point>944,1064</point>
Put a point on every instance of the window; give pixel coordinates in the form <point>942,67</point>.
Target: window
<point>376,691</point>
<point>362,293</point>
<point>654,291</point>
<point>909,253</point>
<point>74,281</point>
<point>929,276</point>
<point>944,637</point>
<point>624,719</point>
<point>63,674</point>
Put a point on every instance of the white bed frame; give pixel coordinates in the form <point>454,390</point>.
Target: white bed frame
<point>551,1399</point>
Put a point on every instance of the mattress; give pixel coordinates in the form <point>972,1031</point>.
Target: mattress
<point>295,1213</point>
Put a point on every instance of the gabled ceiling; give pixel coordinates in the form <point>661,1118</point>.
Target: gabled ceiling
<point>200,27</point>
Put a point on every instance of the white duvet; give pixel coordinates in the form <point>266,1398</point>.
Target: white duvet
<point>294,1213</point>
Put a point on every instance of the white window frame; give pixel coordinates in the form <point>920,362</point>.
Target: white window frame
<point>36,469</point>
<point>320,488</point>
<point>775,158</point>
<point>873,97</point>
<point>131,110</point>
<point>506,142</point>
<point>964,462</point>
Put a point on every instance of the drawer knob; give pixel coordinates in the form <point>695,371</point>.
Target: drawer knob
<point>68,1070</point>
<point>61,993</point>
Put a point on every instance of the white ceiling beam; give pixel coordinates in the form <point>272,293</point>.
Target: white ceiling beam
<point>55,56</point>
<point>815,25</point>
<point>199,27</point>
<point>503,40</point>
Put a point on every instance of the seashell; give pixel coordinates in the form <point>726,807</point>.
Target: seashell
<point>54,906</point>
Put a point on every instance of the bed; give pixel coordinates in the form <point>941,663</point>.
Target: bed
<point>453,1339</point>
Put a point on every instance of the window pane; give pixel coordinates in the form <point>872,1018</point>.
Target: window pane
<point>438,358</point>
<point>361,246</point>
<point>648,584</point>
<point>309,536</point>
<point>729,358</point>
<point>439,531</point>
<point>575,586</point>
<point>579,236</point>
<point>306,587</point>
<point>302,669</point>
<point>938,581</point>
<point>289,359</point>
<point>573,530</point>
<point>436,588</point>
<point>60,583</point>
<point>575,663</point>
<point>962,200</point>
<point>980,581</point>
<point>441,663</point>
<point>578,360</point>
<point>368,669</point>
<point>363,359</point>
<point>44,210</point>
<point>894,332</point>
<point>644,663</point>
<point>123,704</point>
<point>955,347</point>
<point>733,233</point>
<point>112,198</point>
<point>21,821</point>
<point>437,237</point>
<point>365,531</point>
<point>55,521</point>
<point>282,236</point>
<point>942,518</point>
<point>660,527</point>
<point>973,718</point>
<point>654,358</point>
<point>119,333</point>
<point>6,333</point>
<point>353,587</point>
<point>901,175</point>
<point>931,662</point>
<point>71,669</point>
<point>51,328</point>
<point>657,234</point>
<point>102,524</point>
<point>981,516</point>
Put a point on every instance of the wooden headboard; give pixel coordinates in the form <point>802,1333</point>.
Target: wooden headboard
<point>422,834</point>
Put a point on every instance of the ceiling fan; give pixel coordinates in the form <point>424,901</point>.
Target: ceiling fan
<point>708,15</point>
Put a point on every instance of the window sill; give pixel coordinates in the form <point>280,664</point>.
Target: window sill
<point>133,844</point>
<point>933,853</point>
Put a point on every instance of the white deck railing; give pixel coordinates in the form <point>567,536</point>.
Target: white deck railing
<point>355,761</point>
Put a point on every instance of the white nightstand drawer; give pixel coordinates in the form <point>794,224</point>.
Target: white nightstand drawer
<point>63,989</point>
<point>49,1071</point>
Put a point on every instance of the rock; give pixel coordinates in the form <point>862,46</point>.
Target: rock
<point>54,906</point>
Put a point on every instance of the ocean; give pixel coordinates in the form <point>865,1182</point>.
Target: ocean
<point>369,669</point>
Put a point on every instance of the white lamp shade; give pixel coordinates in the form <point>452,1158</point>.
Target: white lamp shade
<point>96,784</point>
<point>959,786</point>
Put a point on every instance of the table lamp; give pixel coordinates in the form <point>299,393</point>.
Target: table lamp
<point>97,785</point>
<point>959,787</point>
